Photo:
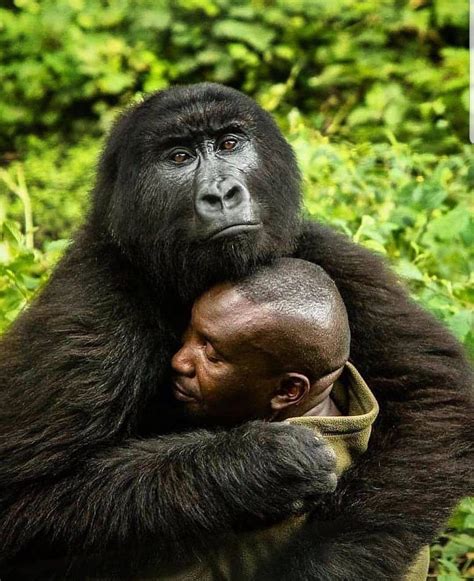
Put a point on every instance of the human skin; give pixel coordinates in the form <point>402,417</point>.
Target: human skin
<point>237,363</point>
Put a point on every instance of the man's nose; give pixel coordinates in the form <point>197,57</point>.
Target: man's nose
<point>182,362</point>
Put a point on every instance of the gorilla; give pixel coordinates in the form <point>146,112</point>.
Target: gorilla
<point>196,185</point>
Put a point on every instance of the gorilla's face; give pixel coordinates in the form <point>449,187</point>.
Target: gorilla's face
<point>207,173</point>
<point>199,181</point>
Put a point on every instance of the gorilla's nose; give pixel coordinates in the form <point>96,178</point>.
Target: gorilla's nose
<point>225,208</point>
<point>228,197</point>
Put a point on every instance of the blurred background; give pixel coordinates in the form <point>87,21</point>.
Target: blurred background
<point>372,94</point>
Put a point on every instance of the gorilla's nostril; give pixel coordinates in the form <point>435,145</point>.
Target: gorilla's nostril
<point>232,192</point>
<point>211,200</point>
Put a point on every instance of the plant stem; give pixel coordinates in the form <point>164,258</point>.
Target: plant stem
<point>20,189</point>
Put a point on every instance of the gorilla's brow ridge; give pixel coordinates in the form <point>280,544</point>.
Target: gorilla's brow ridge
<point>184,132</point>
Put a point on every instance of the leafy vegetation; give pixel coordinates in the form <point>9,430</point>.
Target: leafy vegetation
<point>373,96</point>
<point>354,68</point>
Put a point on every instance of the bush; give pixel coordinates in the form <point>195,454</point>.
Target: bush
<point>354,68</point>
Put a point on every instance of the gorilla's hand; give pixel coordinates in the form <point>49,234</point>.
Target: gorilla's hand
<point>280,470</point>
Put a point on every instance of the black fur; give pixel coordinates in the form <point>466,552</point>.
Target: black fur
<point>89,461</point>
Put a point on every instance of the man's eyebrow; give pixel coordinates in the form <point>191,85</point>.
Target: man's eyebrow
<point>209,337</point>
<point>214,342</point>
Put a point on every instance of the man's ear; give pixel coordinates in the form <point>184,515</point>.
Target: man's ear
<point>292,388</point>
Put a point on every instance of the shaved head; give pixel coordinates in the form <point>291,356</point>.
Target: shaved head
<point>309,315</point>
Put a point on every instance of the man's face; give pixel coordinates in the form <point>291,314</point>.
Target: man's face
<point>225,373</point>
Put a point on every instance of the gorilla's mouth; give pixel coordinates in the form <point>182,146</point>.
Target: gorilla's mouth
<point>234,229</point>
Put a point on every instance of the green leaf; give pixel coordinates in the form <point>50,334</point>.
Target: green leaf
<point>408,270</point>
<point>256,35</point>
<point>469,521</point>
<point>450,225</point>
<point>461,323</point>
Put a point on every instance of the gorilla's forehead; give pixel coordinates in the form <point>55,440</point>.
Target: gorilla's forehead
<point>203,109</point>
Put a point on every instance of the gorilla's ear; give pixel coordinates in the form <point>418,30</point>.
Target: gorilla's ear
<point>292,389</point>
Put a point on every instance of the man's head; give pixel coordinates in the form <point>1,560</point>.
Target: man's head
<point>277,339</point>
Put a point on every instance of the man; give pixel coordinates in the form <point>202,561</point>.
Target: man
<point>275,347</point>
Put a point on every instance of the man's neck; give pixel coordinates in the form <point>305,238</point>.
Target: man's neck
<point>321,405</point>
<point>325,408</point>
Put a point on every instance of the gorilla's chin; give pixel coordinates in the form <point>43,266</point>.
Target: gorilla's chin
<point>229,258</point>
<point>226,258</point>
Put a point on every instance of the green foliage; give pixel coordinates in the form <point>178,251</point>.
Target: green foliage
<point>24,268</point>
<point>373,96</point>
<point>59,175</point>
<point>347,65</point>
<point>453,556</point>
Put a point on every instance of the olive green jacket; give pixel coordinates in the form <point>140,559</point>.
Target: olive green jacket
<point>237,557</point>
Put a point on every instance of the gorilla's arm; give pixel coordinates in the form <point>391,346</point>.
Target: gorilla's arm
<point>78,370</point>
<point>172,491</point>
<point>398,495</point>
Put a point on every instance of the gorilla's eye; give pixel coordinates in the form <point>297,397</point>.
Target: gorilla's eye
<point>228,144</point>
<point>179,157</point>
